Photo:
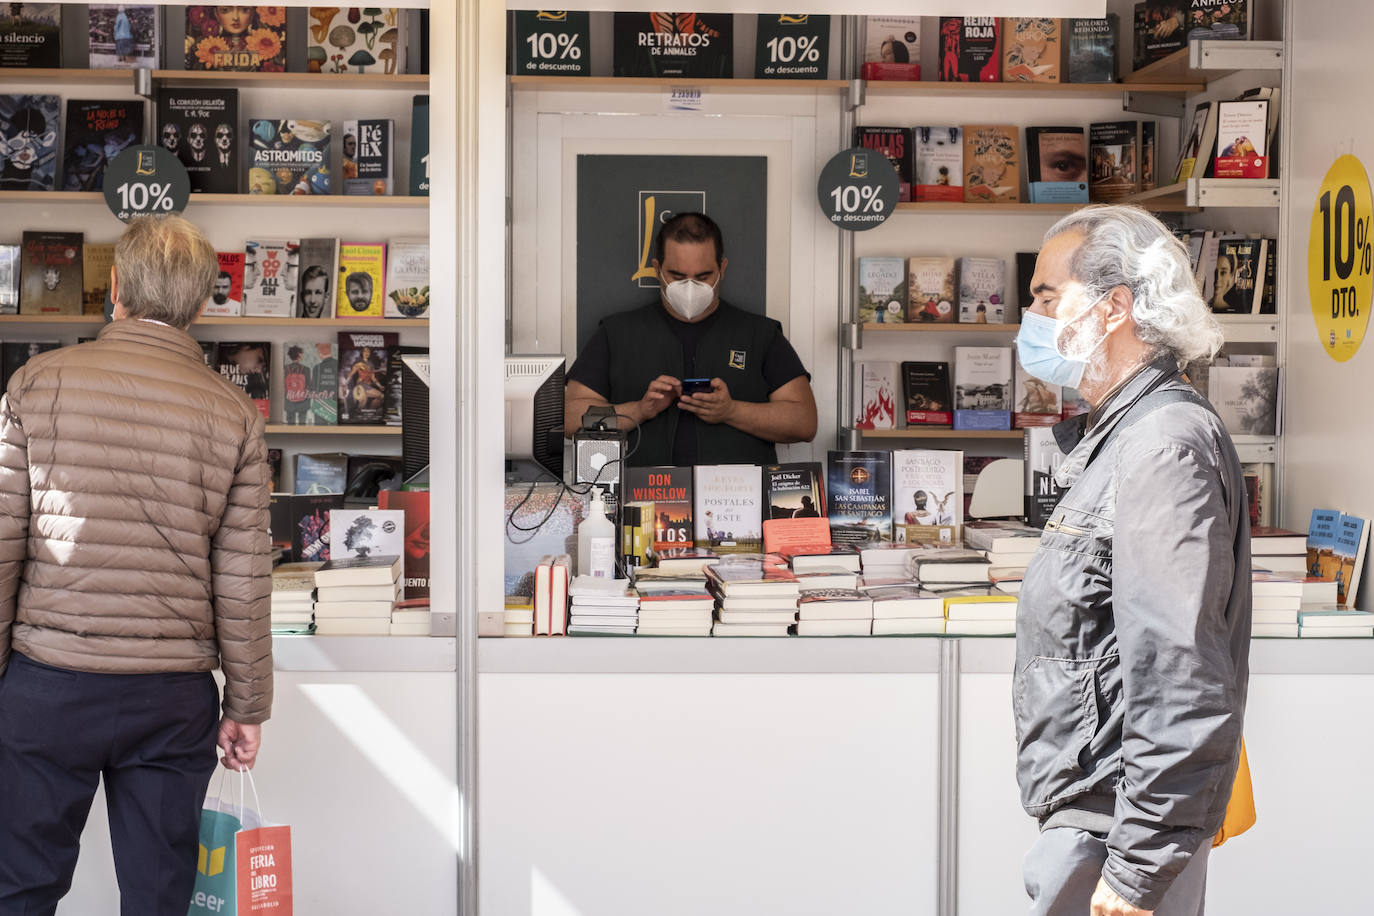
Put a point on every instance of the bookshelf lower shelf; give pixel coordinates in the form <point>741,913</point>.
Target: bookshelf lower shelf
<point>917,433</point>
<point>383,654</point>
<point>291,429</point>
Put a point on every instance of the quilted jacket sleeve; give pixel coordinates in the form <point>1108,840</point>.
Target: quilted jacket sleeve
<point>14,518</point>
<point>241,577</point>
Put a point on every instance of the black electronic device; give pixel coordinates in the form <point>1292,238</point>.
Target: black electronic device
<point>696,386</point>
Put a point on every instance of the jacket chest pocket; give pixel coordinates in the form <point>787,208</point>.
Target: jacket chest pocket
<point>1069,579</point>
<point>1080,532</point>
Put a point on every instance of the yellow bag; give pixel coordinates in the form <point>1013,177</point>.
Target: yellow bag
<point>1240,810</point>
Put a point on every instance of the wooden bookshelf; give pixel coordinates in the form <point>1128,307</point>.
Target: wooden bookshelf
<point>73,75</point>
<point>297,80</point>
<point>1204,61</point>
<point>52,319</point>
<point>656,83</point>
<point>291,429</point>
<point>1158,86</point>
<point>919,433</point>
<point>1162,204</point>
<point>939,327</point>
<point>309,201</point>
<point>341,324</point>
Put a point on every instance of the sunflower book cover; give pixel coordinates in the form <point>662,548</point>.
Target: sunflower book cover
<point>236,38</point>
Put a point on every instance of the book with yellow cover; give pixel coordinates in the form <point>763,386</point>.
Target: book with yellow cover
<point>362,273</point>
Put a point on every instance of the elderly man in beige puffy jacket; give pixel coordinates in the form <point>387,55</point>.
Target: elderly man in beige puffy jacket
<point>133,561</point>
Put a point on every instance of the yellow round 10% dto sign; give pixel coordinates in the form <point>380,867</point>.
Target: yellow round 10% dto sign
<point>1340,258</point>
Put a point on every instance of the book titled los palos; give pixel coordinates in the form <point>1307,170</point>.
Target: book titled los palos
<point>226,295</point>
<point>269,277</point>
<point>991,164</point>
<point>858,496</point>
<point>362,272</point>
<point>364,371</point>
<point>368,157</point>
<point>927,493</point>
<point>728,510</point>
<point>236,38</point>
<point>407,279</point>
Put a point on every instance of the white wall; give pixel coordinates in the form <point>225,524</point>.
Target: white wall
<point>1329,415</point>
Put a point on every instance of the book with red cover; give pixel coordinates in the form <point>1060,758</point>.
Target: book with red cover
<point>415,505</point>
<point>783,534</point>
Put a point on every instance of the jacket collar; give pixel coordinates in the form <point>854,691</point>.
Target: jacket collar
<point>152,334</point>
<point>1082,436</point>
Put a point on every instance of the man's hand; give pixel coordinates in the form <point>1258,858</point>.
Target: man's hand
<point>240,744</point>
<point>661,392</point>
<point>714,406</point>
<point>1107,902</point>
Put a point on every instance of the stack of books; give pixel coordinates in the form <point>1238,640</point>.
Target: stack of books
<point>411,618</point>
<point>1008,547</point>
<point>605,607</point>
<point>979,612</point>
<point>1278,550</point>
<point>888,561</point>
<point>1275,600</point>
<point>518,618</point>
<point>902,609</point>
<point>754,597</point>
<point>354,595</point>
<point>293,598</point>
<point>551,595</point>
<point>673,604</point>
<point>684,559</point>
<point>834,612</point>
<point>1335,622</point>
<point>826,557</point>
<point>950,567</point>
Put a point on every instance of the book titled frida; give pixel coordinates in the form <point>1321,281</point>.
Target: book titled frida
<point>50,275</point>
<point>991,164</point>
<point>665,494</point>
<point>858,496</point>
<point>362,273</point>
<point>236,38</point>
<point>728,507</point>
<point>1031,50</point>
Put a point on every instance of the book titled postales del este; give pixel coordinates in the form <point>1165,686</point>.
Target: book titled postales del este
<point>728,507</point>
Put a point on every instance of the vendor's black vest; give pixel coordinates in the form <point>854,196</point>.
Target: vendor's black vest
<point>643,347</point>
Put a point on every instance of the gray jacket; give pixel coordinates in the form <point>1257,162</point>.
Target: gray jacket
<point>1133,638</point>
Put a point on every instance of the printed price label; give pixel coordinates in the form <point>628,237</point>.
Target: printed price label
<point>146,179</point>
<point>1340,258</point>
<point>551,43</point>
<point>858,189</point>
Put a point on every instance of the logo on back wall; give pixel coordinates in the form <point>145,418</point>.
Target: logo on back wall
<point>655,209</point>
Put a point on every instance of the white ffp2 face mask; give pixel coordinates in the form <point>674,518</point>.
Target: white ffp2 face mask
<point>689,298</point>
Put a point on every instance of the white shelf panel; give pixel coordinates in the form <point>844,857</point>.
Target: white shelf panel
<point>1256,448</point>
<point>1235,55</point>
<point>1250,329</point>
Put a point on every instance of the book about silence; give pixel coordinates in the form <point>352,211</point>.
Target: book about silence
<point>1031,49</point>
<point>794,490</point>
<point>925,386</point>
<point>348,40</point>
<point>288,157</point>
<point>367,159</point>
<point>236,38</point>
<point>200,126</point>
<point>362,272</point>
<point>970,49</point>
<point>50,274</point>
<point>248,367</point>
<point>894,143</point>
<point>858,493</point>
<point>97,131</point>
<point>28,156</point>
<point>882,290</point>
<point>226,295</point>
<point>729,507</point>
<point>270,268</point>
<point>991,164</point>
<point>31,35</point>
<point>124,36</point>
<point>939,163</point>
<point>931,289</point>
<point>892,48</point>
<point>1092,49</point>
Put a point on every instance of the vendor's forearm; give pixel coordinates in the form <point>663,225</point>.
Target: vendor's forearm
<point>627,415</point>
<point>775,421</point>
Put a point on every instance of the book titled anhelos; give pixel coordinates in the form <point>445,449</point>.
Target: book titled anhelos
<point>200,127</point>
<point>364,368</point>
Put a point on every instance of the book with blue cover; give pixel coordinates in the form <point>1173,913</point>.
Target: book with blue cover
<point>1321,540</point>
<point>858,496</point>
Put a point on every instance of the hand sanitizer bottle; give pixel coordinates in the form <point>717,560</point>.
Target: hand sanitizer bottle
<point>596,541</point>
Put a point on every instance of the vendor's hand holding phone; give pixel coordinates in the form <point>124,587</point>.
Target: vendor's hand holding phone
<point>711,406</point>
<point>661,392</point>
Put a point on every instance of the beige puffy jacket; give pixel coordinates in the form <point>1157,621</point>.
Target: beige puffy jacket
<point>133,515</point>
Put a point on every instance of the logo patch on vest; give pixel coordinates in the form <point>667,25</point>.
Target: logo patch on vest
<point>737,359</point>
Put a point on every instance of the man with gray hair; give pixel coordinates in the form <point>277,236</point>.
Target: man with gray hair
<point>1133,624</point>
<point>134,559</point>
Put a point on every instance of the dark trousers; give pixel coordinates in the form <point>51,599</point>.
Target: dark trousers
<point>150,736</point>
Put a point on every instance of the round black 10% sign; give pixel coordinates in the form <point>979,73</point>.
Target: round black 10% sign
<point>858,189</point>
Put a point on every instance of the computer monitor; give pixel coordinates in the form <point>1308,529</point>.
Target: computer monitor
<point>534,411</point>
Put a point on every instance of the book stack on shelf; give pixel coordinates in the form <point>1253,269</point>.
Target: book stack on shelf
<point>1334,622</point>
<point>755,596</point>
<point>1278,550</point>
<point>979,612</point>
<point>886,562</point>
<point>410,618</point>
<point>1236,273</point>
<point>517,619</point>
<point>834,612</point>
<point>293,598</point>
<point>673,603</point>
<point>1008,547</point>
<point>604,607</point>
<point>901,608</point>
<point>354,595</point>
<point>551,583</point>
<point>946,568</point>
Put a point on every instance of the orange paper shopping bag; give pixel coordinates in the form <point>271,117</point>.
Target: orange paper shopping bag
<point>263,859</point>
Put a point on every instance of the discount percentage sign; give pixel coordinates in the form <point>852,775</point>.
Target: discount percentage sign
<point>1365,248</point>
<point>787,49</point>
<point>568,48</point>
<point>858,189</point>
<point>145,180</point>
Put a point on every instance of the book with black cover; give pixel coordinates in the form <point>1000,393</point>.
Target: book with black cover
<point>419,146</point>
<point>51,281</point>
<point>794,490</point>
<point>200,126</point>
<point>858,496</point>
<point>895,144</point>
<point>28,142</point>
<point>1113,160</point>
<point>1043,458</point>
<point>368,475</point>
<point>321,474</point>
<point>674,44</point>
<point>248,366</point>
<point>31,35</point>
<point>1158,31</point>
<point>926,388</point>
<point>1091,49</point>
<point>369,150</point>
<point>17,353</point>
<point>96,132</point>
<point>310,526</point>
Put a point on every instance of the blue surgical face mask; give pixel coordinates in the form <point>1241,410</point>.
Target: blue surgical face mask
<point>1039,354</point>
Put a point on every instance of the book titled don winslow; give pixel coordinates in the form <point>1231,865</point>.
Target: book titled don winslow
<point>236,38</point>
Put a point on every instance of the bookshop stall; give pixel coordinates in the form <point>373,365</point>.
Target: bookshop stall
<point>745,759</point>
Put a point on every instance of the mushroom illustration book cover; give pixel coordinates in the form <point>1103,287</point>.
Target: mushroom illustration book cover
<point>356,39</point>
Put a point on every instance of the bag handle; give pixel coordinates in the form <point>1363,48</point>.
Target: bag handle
<point>243,796</point>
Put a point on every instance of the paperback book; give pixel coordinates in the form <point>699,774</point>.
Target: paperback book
<point>407,279</point>
<point>1242,139</point>
<point>931,290</point>
<point>310,526</point>
<point>248,366</point>
<point>200,127</point>
<point>857,494</point>
<point>927,495</point>
<point>982,388</point>
<point>970,49</point>
<point>364,369</point>
<point>925,387</point>
<point>1057,164</point>
<point>1246,398</point>
<point>309,372</point>
<point>1158,31</point>
<point>9,279</point>
<point>269,277</point>
<point>288,157</point>
<point>991,164</point>
<point>1321,543</point>
<point>1114,160</point>
<point>96,260</point>
<point>419,146</point>
<point>1219,20</point>
<point>892,48</point>
<point>1031,50</point>
<point>14,354</point>
<point>415,505</point>
<point>364,533</point>
<point>882,291</point>
<point>728,507</point>
<point>876,394</point>
<point>97,131</point>
<point>31,35</point>
<point>28,142</point>
<point>351,39</point>
<point>939,163</point>
<point>895,144</point>
<point>226,296</point>
<point>1092,49</point>
<point>664,495</point>
<point>369,150</point>
<point>362,269</point>
<point>982,290</point>
<point>124,36</point>
<point>319,270</point>
<point>1239,279</point>
<point>794,490</point>
<point>322,474</point>
<point>1352,540</point>
<point>51,282</point>
<point>236,38</point>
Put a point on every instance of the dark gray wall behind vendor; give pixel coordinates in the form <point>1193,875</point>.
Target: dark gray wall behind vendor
<point>757,392</point>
